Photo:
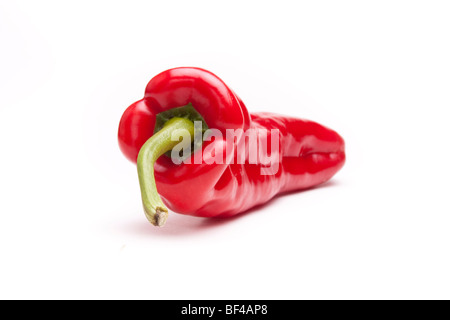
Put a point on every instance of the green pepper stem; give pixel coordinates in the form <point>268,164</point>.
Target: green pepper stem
<point>161,142</point>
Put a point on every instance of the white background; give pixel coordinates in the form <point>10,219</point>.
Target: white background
<point>71,222</point>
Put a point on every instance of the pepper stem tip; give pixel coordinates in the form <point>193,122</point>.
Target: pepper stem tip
<point>161,217</point>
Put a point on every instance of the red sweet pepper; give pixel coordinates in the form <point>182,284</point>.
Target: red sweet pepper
<point>309,153</point>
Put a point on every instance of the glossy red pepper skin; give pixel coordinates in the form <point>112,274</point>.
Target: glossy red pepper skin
<point>310,153</point>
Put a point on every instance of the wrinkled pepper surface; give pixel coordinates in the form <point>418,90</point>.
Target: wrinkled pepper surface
<point>309,153</point>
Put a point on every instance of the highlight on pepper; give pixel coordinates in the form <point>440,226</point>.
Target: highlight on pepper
<point>200,152</point>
